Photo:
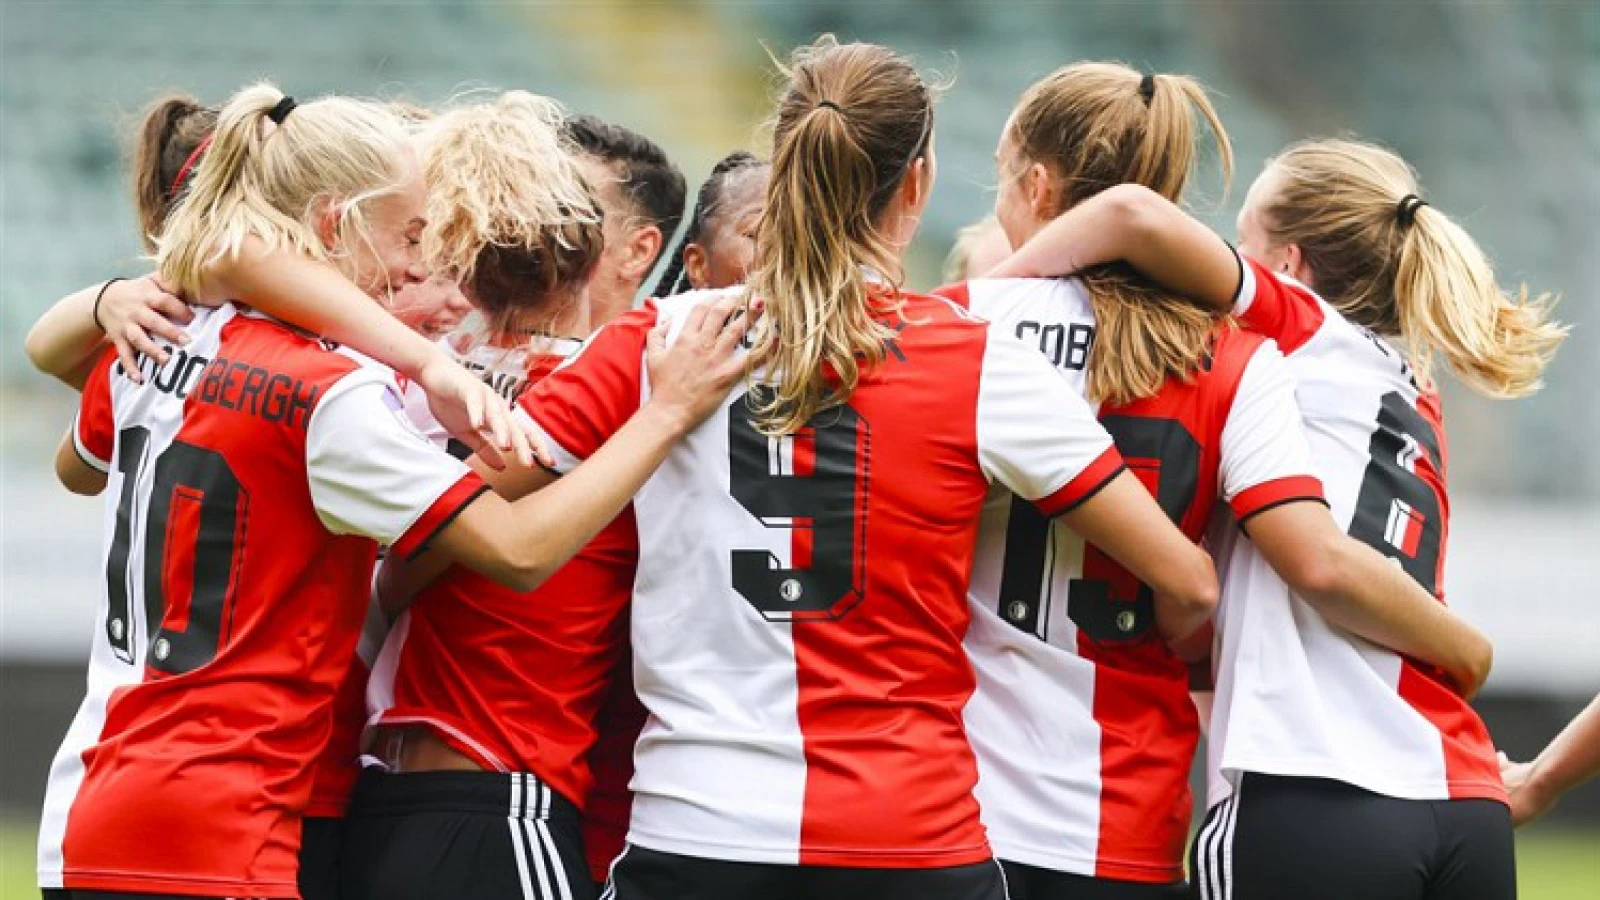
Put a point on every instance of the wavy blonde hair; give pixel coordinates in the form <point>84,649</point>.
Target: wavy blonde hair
<point>509,213</point>
<point>269,181</point>
<point>1424,279</point>
<point>835,167</point>
<point>1092,125</point>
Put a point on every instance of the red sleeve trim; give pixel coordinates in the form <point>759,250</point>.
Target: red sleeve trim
<point>1278,307</point>
<point>1080,489</point>
<point>1268,494</point>
<point>957,293</point>
<point>94,459</point>
<point>438,516</point>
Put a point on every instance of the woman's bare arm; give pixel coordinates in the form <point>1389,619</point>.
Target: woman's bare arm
<point>1132,224</point>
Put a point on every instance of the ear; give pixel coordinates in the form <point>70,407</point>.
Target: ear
<point>327,224</point>
<point>914,187</point>
<point>642,248</point>
<point>1294,264</point>
<point>696,266</point>
<point>1041,191</point>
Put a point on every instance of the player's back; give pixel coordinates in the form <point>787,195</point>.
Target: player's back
<point>1295,695</point>
<point>244,596</point>
<point>1082,721</point>
<point>800,603</point>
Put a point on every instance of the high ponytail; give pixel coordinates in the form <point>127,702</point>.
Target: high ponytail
<point>169,134</point>
<point>1094,125</point>
<point>1400,268</point>
<point>851,122</point>
<point>269,181</point>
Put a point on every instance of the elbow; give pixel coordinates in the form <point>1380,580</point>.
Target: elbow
<point>1480,661</point>
<point>38,350</point>
<point>1139,207</point>
<point>1317,571</point>
<point>1196,595</point>
<point>529,567</point>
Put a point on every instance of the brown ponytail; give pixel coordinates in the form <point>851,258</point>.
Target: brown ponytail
<point>1094,125</point>
<point>1413,273</point>
<point>851,122</point>
<point>170,130</point>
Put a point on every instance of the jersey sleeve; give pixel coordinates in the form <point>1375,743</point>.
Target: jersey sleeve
<point>1265,457</point>
<point>374,474</point>
<point>94,428</point>
<point>1036,434</point>
<point>1276,306</point>
<point>590,397</point>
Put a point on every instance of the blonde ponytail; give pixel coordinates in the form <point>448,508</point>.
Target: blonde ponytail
<point>270,180</point>
<point>1403,268</point>
<point>852,121</point>
<point>1098,124</point>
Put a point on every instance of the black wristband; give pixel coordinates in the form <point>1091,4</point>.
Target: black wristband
<point>101,296</point>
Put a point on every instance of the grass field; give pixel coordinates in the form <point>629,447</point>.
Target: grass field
<point>1555,864</point>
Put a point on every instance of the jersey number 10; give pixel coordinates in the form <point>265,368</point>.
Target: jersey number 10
<point>190,530</point>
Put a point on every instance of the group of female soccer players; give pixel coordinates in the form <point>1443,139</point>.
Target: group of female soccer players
<point>848,591</point>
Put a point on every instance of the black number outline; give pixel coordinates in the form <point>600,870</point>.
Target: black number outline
<point>1386,480</point>
<point>833,497</point>
<point>1093,603</point>
<point>183,472</point>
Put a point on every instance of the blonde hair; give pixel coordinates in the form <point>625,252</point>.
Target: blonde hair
<point>851,122</point>
<point>1418,275</point>
<point>509,214</point>
<point>958,265</point>
<point>269,181</point>
<point>1097,124</point>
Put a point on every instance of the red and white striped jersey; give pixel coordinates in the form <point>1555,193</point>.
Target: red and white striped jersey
<point>1296,696</point>
<point>1082,722</point>
<point>798,616</point>
<point>514,681</point>
<point>252,478</point>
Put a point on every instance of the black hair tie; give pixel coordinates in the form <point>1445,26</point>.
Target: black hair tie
<point>280,112</point>
<point>829,104</point>
<point>1147,87</point>
<point>1406,211</point>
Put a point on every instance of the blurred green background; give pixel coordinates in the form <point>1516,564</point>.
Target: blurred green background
<point>1496,103</point>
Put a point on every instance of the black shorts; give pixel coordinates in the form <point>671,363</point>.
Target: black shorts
<point>321,846</point>
<point>453,835</point>
<point>640,874</point>
<point>1316,839</point>
<point>1024,882</point>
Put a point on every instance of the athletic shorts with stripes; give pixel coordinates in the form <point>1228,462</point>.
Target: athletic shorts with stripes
<point>453,835</point>
<point>1315,839</point>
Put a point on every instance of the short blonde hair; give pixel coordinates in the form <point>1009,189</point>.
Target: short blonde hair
<point>269,180</point>
<point>509,214</point>
<point>1413,273</point>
